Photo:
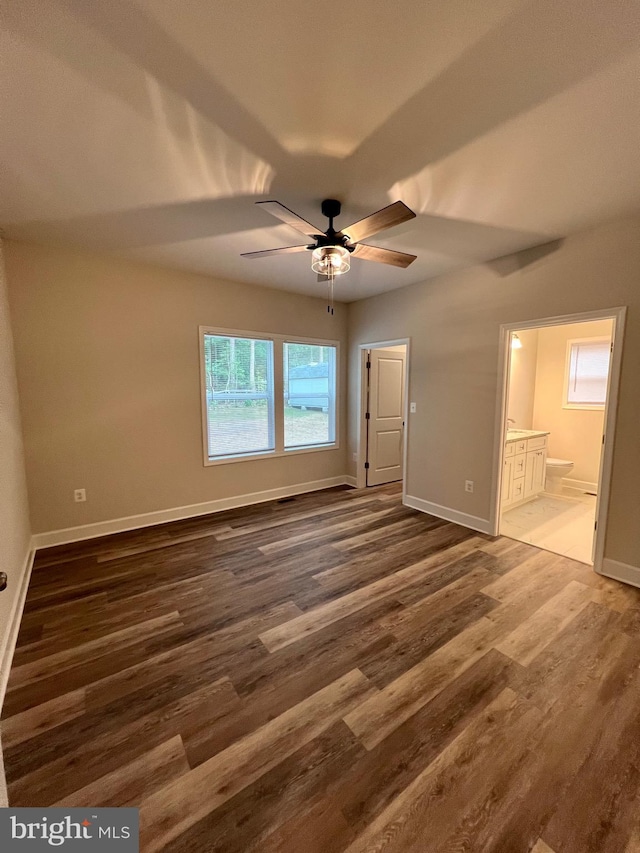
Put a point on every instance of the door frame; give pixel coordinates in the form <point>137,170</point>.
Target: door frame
<point>618,315</point>
<point>361,474</point>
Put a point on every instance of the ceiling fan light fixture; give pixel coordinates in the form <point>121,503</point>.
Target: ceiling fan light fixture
<point>330,260</point>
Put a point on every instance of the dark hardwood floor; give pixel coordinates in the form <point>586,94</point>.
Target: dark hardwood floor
<point>335,672</point>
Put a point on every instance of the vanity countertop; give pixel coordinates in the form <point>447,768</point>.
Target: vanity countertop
<point>519,434</point>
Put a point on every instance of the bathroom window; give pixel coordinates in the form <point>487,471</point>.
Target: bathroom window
<point>587,373</point>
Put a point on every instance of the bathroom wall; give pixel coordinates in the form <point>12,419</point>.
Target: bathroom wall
<point>575,433</point>
<point>522,380</point>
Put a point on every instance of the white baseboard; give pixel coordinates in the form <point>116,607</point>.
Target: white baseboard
<point>351,481</point>
<point>148,519</point>
<point>620,572</point>
<point>583,485</point>
<point>15,618</point>
<point>483,525</point>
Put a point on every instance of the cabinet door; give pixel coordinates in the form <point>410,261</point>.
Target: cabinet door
<point>535,470</point>
<point>507,481</point>
<point>539,469</point>
<point>529,474</point>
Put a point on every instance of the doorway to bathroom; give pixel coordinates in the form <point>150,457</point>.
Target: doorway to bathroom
<point>556,421</point>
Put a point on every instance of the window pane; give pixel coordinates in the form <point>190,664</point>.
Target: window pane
<point>309,395</point>
<point>239,388</point>
<point>588,373</point>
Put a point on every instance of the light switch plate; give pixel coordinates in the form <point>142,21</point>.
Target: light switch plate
<point>412,408</point>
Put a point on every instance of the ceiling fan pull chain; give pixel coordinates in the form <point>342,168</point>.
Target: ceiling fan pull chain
<point>330,278</point>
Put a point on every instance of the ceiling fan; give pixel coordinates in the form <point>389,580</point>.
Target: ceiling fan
<point>331,252</point>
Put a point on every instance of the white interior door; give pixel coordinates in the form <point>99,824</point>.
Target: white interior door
<point>385,430</point>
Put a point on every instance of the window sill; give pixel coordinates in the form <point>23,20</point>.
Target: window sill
<point>585,407</point>
<point>270,454</point>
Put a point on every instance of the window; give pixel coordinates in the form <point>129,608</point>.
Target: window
<point>587,373</point>
<point>309,395</point>
<point>267,395</point>
<point>239,395</point>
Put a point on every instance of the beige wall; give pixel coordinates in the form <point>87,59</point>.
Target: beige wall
<point>576,434</point>
<point>109,377</point>
<point>522,380</point>
<point>15,531</point>
<point>453,322</point>
<point>108,370</point>
<point>14,511</point>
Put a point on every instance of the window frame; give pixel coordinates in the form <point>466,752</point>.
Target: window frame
<point>587,407</point>
<point>278,342</point>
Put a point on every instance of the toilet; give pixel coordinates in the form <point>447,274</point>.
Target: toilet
<point>556,470</point>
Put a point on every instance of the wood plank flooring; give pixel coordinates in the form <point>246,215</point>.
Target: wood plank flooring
<point>331,673</point>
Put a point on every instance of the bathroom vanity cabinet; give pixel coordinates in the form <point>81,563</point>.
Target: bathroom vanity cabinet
<point>525,458</point>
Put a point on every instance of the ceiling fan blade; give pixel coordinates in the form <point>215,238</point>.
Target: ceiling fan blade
<point>383,256</point>
<point>285,250</point>
<point>289,217</point>
<point>389,216</point>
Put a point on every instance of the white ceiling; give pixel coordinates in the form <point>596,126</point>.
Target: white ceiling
<point>149,128</point>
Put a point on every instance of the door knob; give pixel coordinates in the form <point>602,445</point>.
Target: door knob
<point>3,581</point>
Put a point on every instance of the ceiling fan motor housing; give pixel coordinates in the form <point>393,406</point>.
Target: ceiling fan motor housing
<point>332,238</point>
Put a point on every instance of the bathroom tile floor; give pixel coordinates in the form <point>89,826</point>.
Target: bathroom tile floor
<point>563,524</point>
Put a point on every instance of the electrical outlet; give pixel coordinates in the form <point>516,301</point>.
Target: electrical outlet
<point>355,457</point>
<point>412,408</point>
<point>468,485</point>
<point>80,495</point>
